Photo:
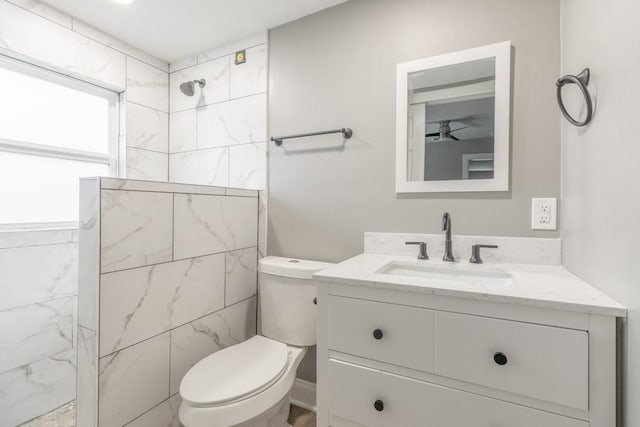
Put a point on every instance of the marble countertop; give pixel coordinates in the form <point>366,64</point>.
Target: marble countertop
<point>545,286</point>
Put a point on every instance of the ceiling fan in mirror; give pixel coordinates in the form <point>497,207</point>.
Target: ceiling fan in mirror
<point>445,131</point>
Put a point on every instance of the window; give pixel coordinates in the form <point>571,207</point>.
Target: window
<point>54,129</point>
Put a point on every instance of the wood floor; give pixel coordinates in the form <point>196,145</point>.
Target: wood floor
<point>65,416</point>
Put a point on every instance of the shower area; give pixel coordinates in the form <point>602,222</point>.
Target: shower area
<point>38,294</point>
<point>77,103</point>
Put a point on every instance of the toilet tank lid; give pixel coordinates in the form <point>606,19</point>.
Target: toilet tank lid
<point>291,267</point>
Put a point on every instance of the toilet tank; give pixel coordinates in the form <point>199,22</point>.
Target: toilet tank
<point>287,291</point>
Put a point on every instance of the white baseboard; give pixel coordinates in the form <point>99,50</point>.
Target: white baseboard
<point>303,394</point>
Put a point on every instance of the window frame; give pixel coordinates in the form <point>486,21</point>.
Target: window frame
<point>115,152</point>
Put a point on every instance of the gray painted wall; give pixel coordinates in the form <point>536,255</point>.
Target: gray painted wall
<point>336,68</point>
<point>600,174</point>
<point>443,160</point>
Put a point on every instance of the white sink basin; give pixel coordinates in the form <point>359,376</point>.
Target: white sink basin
<point>451,273</point>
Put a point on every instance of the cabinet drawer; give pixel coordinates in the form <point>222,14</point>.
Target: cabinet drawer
<point>542,362</point>
<point>390,333</point>
<point>353,391</point>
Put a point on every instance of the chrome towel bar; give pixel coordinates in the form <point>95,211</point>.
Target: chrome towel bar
<point>346,133</point>
<point>582,80</point>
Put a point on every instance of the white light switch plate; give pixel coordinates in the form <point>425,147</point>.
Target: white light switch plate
<point>544,213</point>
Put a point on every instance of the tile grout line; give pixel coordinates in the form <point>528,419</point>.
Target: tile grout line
<point>221,146</point>
<point>229,76</point>
<point>257,260</point>
<point>183,192</point>
<point>73,30</point>
<point>148,107</point>
<point>50,244</point>
<point>212,59</point>
<point>40,303</point>
<point>40,359</point>
<point>201,107</point>
<point>168,127</point>
<point>171,396</point>
<point>224,296</point>
<point>132,147</point>
<point>168,331</point>
<point>179,260</point>
<point>173,240</point>
<point>173,227</point>
<point>98,207</point>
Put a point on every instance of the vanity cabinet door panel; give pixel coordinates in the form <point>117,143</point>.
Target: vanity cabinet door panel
<point>390,333</point>
<point>374,398</point>
<point>546,363</point>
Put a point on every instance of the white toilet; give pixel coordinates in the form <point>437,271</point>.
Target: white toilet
<point>249,384</point>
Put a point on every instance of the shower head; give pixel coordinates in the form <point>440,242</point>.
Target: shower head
<point>188,88</point>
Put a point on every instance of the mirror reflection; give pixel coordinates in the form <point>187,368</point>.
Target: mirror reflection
<point>451,119</point>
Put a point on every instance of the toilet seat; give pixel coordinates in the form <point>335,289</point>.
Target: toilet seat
<point>235,373</point>
<point>238,411</point>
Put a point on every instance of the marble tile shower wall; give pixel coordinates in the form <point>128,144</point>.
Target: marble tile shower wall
<point>168,275</point>
<point>147,122</point>
<point>38,287</point>
<point>39,283</point>
<point>36,33</point>
<point>218,137</point>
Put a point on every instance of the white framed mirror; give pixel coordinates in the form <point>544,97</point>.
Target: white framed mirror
<point>452,121</point>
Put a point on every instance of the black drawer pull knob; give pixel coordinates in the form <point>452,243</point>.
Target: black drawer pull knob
<point>315,300</point>
<point>379,405</point>
<point>500,358</point>
<point>377,334</point>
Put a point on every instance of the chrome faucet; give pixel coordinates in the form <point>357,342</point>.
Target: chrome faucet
<point>446,227</point>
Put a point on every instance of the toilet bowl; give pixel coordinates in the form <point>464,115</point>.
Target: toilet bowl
<point>249,384</point>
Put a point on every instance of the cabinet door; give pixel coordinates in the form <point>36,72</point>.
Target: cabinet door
<point>390,333</point>
<point>368,397</point>
<point>542,362</point>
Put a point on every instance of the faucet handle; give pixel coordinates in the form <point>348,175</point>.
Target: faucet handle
<point>422,253</point>
<point>475,253</point>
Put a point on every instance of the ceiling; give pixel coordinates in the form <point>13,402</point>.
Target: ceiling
<point>175,29</point>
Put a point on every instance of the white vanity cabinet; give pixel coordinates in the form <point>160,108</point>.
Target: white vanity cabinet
<point>394,358</point>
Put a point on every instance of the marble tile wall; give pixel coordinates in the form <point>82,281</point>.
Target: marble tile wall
<point>263,218</point>
<point>39,280</point>
<point>147,121</point>
<point>37,388</point>
<point>176,280</point>
<point>38,288</point>
<point>83,57</point>
<point>218,136</point>
<point>36,33</point>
